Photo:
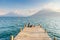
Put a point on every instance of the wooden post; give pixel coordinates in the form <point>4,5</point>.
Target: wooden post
<point>12,37</point>
<point>55,38</point>
<point>24,25</point>
<point>40,25</point>
<point>20,29</point>
<point>45,31</point>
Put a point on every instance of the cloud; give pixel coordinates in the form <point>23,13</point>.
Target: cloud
<point>53,5</point>
<point>26,12</point>
<point>3,12</point>
<point>22,12</point>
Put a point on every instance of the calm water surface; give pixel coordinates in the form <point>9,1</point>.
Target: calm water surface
<point>11,25</point>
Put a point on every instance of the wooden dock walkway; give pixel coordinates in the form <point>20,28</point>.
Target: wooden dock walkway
<point>33,33</point>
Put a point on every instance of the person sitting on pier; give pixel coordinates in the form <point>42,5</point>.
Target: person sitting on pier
<point>28,24</point>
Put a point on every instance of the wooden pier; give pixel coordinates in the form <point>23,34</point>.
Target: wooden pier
<point>33,33</point>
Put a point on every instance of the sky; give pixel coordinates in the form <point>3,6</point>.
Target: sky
<point>27,7</point>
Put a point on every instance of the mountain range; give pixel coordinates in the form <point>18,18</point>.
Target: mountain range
<point>46,13</point>
<point>42,13</point>
<point>11,14</point>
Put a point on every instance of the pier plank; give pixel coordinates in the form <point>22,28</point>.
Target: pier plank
<point>33,33</point>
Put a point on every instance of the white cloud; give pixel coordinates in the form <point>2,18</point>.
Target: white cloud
<point>23,12</point>
<point>26,12</point>
<point>3,12</point>
<point>54,5</point>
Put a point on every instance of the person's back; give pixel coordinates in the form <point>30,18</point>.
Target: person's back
<point>28,24</point>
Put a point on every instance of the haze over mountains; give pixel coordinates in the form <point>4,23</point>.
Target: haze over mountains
<point>11,14</point>
<point>42,13</point>
<point>46,13</point>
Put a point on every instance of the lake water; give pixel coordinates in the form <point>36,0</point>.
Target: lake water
<point>11,25</point>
